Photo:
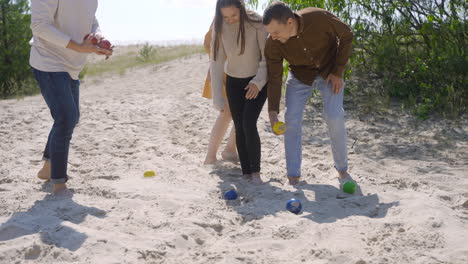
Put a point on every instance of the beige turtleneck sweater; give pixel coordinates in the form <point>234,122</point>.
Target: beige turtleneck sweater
<point>229,60</point>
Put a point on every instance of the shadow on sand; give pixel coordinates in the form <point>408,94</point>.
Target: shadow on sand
<point>319,201</point>
<point>51,218</point>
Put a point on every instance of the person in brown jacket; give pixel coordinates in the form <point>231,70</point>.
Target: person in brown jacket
<point>317,46</point>
<point>222,122</point>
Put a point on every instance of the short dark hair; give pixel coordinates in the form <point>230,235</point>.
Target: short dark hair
<point>278,11</point>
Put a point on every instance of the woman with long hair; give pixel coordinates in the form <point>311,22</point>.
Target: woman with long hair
<point>238,50</point>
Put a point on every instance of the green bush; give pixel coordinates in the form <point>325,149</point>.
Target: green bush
<point>146,53</point>
<point>15,73</point>
<point>416,50</point>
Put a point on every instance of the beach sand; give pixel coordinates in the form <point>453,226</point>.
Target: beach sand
<point>413,175</point>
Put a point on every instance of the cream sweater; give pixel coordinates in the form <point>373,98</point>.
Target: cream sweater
<point>54,23</point>
<point>229,60</point>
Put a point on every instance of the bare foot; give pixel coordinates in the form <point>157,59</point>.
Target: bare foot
<point>248,176</point>
<point>256,179</point>
<point>210,161</point>
<point>294,180</point>
<point>344,177</point>
<point>61,190</point>
<point>343,174</point>
<point>230,156</point>
<point>44,173</point>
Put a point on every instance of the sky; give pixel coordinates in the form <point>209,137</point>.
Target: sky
<point>156,21</point>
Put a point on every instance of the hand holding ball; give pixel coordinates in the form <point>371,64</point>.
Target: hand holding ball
<point>101,42</point>
<point>105,44</point>
<point>95,39</point>
<point>279,128</point>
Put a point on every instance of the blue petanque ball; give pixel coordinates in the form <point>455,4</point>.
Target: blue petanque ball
<point>294,206</point>
<point>230,195</point>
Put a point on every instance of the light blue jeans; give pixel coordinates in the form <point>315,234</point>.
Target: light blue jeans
<point>297,95</point>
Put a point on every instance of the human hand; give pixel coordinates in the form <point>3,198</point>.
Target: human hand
<point>252,91</point>
<point>273,120</point>
<point>102,46</point>
<point>337,83</point>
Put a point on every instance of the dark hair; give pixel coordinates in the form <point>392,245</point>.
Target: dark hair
<point>278,11</point>
<point>245,16</point>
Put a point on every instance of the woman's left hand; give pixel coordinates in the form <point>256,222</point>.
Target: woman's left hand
<point>252,91</point>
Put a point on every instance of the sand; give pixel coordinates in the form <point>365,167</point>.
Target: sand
<point>413,175</point>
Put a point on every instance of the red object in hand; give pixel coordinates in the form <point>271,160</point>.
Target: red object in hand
<point>105,44</point>
<point>94,39</point>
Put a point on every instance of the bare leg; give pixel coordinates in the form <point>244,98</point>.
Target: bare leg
<point>217,134</point>
<point>231,144</point>
<point>294,180</point>
<point>256,179</point>
<point>230,151</point>
<point>60,189</point>
<point>44,173</point>
<point>343,174</point>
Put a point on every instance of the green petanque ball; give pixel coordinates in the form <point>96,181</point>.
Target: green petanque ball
<point>349,187</point>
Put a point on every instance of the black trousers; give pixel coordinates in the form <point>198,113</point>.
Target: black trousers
<point>245,114</point>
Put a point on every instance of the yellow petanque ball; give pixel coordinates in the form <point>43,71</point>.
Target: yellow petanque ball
<point>279,128</point>
<point>149,173</point>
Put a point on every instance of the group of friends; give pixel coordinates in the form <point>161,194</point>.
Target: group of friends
<point>247,52</point>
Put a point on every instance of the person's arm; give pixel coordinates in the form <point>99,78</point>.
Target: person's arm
<point>345,38</point>
<point>42,22</point>
<point>42,26</point>
<point>274,61</point>
<point>260,78</point>
<point>217,73</point>
<point>87,47</point>
<point>207,40</point>
<point>343,32</point>
<point>275,80</point>
<point>95,29</point>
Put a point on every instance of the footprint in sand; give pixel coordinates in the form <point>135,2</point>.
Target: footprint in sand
<point>149,255</point>
<point>85,171</point>
<point>285,233</point>
<point>5,181</point>
<point>322,167</point>
<point>109,178</point>
<point>320,253</point>
<point>218,228</point>
<point>33,253</point>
